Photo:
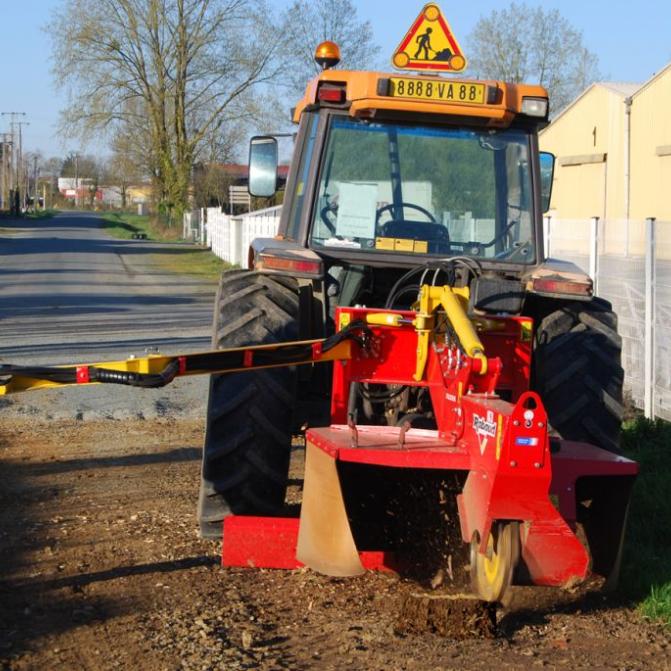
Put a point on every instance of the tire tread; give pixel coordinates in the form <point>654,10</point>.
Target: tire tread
<point>577,372</point>
<point>249,418</point>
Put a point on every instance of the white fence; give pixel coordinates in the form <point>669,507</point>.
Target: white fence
<point>229,236</point>
<point>629,262</point>
<point>630,265</point>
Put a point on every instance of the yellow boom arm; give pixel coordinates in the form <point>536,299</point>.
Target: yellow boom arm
<point>159,370</point>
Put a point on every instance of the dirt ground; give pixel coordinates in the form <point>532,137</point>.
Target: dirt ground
<point>101,568</point>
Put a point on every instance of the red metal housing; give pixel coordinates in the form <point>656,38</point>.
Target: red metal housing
<point>512,470</point>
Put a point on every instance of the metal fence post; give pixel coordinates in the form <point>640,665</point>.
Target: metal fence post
<point>649,360</point>
<point>594,252</point>
<point>547,222</point>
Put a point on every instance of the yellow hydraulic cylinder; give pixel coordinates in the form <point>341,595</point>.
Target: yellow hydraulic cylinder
<point>454,301</point>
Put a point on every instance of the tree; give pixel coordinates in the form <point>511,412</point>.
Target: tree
<point>524,44</point>
<point>210,184</point>
<point>309,22</point>
<point>182,71</point>
<point>131,161</point>
<point>52,166</point>
<point>210,180</point>
<point>49,172</point>
<point>80,165</point>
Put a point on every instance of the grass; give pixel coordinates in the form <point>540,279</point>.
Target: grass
<point>646,568</point>
<point>199,262</point>
<point>187,260</point>
<point>41,214</point>
<point>124,225</point>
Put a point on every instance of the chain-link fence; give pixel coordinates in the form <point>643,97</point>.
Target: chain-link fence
<point>630,264</point>
<point>661,394</point>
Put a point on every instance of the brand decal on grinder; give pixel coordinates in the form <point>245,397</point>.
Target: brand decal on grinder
<point>485,428</point>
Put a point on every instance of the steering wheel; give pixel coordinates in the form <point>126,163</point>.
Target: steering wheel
<point>403,204</point>
<point>429,230</point>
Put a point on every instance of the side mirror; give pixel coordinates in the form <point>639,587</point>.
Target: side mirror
<point>263,162</point>
<point>547,161</point>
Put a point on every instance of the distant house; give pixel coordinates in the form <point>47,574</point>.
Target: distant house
<point>138,193</point>
<point>613,149</point>
<point>111,196</point>
<point>78,189</point>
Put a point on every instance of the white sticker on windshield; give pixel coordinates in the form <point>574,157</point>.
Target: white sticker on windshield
<point>357,205</point>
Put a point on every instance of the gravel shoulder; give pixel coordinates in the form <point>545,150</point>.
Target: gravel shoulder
<point>102,569</point>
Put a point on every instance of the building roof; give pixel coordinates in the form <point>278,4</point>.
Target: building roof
<point>652,79</point>
<point>623,89</point>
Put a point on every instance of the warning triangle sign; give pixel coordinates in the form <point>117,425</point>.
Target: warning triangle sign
<point>429,44</point>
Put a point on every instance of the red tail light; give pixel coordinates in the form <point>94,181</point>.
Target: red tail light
<point>299,266</point>
<point>549,286</point>
<point>331,94</point>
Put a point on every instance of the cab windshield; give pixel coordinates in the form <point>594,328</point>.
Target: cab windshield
<point>389,187</point>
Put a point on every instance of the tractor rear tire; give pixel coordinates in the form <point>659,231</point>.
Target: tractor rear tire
<point>578,374</point>
<point>249,415</point>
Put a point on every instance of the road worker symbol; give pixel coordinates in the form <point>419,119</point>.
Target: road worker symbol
<point>429,44</point>
<point>424,44</point>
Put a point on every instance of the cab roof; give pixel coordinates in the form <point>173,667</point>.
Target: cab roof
<point>369,93</point>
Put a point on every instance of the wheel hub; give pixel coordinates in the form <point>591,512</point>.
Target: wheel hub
<point>492,571</point>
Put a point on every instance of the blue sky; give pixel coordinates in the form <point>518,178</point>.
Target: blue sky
<point>631,39</point>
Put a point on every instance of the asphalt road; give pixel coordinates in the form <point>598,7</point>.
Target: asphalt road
<point>71,293</point>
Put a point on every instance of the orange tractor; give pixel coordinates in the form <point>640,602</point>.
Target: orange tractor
<point>405,321</point>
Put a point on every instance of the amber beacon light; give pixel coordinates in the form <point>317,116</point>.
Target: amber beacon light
<point>327,55</point>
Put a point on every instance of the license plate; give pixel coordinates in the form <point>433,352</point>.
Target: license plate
<point>444,91</point>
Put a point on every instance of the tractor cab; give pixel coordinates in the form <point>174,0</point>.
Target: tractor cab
<point>390,170</point>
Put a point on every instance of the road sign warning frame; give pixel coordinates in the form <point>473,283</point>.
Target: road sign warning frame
<point>431,14</point>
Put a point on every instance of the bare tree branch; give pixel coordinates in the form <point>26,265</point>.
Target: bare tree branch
<point>521,43</point>
<point>175,74</point>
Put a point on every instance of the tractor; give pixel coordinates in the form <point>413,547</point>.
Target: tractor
<point>452,385</point>
<point>398,183</point>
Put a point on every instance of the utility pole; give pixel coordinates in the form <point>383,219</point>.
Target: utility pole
<point>15,197</point>
<point>35,195</point>
<point>20,162</point>
<point>6,147</point>
<point>76,181</point>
